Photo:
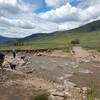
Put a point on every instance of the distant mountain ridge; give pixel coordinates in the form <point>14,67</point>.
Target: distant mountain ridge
<point>90,27</point>
<point>5,40</point>
<point>31,36</point>
<point>93,26</point>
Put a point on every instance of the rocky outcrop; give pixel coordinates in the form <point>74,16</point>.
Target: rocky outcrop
<point>68,91</point>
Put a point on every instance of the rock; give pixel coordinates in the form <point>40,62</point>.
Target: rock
<point>85,71</point>
<point>68,75</point>
<point>60,88</point>
<point>61,78</point>
<point>75,66</point>
<point>86,61</point>
<point>5,64</point>
<point>29,72</point>
<point>68,94</point>
<point>70,84</point>
<point>59,94</point>
<point>39,54</point>
<point>28,63</point>
<point>55,98</point>
<point>66,64</point>
<point>84,90</point>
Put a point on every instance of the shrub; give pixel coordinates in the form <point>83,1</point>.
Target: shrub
<point>76,41</point>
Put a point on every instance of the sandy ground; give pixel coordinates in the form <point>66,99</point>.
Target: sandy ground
<point>16,85</point>
<point>19,86</point>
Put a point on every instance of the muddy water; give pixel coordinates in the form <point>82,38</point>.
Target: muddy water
<point>61,69</point>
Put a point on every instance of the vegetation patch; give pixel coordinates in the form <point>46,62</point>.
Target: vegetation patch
<point>90,94</point>
<point>41,97</point>
<point>76,41</point>
<point>98,50</point>
<point>50,50</point>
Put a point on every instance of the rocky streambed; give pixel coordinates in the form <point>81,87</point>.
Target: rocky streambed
<point>60,71</point>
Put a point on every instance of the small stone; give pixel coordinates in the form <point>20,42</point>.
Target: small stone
<point>60,88</point>
<point>59,94</point>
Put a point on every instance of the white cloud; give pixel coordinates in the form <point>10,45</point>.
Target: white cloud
<point>13,7</point>
<point>69,25</point>
<point>56,2</point>
<point>70,13</point>
<point>16,23</point>
<point>64,13</point>
<point>53,2</point>
<point>87,3</point>
<point>47,27</point>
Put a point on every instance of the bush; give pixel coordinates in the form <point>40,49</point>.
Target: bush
<point>76,41</point>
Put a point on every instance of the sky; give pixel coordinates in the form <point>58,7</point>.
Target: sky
<point>21,18</point>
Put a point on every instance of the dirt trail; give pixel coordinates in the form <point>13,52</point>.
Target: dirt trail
<point>80,52</point>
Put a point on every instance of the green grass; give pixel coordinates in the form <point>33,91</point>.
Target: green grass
<point>87,40</point>
<point>90,94</point>
<point>98,50</point>
<point>41,97</point>
<point>93,91</point>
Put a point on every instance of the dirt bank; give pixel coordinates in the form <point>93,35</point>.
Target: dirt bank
<point>19,86</point>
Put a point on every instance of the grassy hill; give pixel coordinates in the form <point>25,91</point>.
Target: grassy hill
<point>89,36</point>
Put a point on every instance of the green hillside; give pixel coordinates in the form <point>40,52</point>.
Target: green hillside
<point>89,36</point>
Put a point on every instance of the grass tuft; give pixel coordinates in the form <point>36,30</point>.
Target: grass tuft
<point>41,97</point>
